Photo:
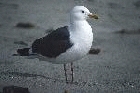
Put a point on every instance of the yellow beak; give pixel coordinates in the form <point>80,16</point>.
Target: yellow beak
<point>93,16</point>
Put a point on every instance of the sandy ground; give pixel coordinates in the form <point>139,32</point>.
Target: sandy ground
<point>116,69</point>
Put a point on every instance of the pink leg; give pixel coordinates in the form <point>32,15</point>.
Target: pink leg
<point>72,74</point>
<point>65,73</point>
<point>69,75</point>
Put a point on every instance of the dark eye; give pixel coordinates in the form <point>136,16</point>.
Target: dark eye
<point>83,12</point>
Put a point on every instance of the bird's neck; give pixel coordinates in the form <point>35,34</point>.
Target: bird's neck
<point>75,25</point>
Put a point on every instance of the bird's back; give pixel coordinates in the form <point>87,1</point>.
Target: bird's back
<point>53,44</point>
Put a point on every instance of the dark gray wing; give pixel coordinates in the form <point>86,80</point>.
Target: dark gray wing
<point>53,44</point>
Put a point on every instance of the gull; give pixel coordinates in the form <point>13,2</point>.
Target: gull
<point>66,44</point>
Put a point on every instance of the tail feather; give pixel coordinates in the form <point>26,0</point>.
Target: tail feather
<point>23,52</point>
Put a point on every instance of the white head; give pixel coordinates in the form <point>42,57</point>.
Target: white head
<point>80,13</point>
